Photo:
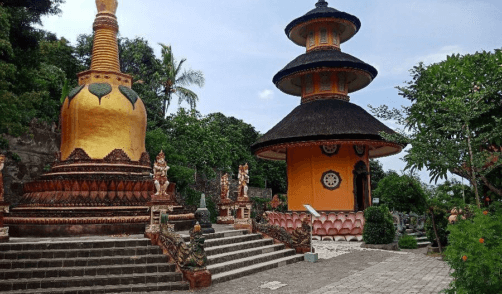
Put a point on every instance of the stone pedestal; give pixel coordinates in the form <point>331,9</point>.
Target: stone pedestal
<point>197,279</point>
<point>225,212</point>
<point>243,214</point>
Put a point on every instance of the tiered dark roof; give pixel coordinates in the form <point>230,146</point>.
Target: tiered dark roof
<point>323,11</point>
<point>322,59</point>
<point>323,120</point>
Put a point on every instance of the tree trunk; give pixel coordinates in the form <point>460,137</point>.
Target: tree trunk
<point>491,187</point>
<point>436,232</point>
<point>473,176</point>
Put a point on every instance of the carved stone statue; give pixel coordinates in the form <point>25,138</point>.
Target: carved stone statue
<point>160,169</point>
<point>2,162</point>
<point>225,187</point>
<point>243,180</point>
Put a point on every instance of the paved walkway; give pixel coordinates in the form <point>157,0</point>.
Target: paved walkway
<point>345,268</point>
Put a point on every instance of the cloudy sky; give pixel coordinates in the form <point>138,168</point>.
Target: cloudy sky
<point>240,45</point>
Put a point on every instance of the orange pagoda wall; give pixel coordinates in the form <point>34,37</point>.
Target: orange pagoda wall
<point>306,165</point>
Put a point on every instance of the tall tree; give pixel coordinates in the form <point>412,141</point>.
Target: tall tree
<point>175,81</point>
<point>453,124</point>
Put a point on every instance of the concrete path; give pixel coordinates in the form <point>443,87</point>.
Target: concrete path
<point>345,268</point>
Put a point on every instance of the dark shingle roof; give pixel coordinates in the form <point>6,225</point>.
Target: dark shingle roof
<point>330,119</point>
<point>323,59</point>
<point>323,11</point>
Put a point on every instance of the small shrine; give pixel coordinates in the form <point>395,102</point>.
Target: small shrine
<point>327,141</point>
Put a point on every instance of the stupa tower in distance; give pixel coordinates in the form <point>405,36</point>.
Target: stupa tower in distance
<point>326,141</point>
<point>100,182</point>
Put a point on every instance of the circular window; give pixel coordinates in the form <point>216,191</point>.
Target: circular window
<point>330,149</point>
<point>331,180</point>
<point>359,149</point>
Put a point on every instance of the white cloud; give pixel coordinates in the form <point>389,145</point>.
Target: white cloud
<point>266,94</point>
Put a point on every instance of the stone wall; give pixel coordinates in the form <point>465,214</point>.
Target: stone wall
<point>36,149</point>
<point>211,187</point>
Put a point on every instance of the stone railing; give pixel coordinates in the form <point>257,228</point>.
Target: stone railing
<point>329,226</point>
<point>298,239</point>
<point>190,258</point>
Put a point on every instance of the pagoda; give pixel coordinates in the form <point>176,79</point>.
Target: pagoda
<point>100,182</point>
<point>327,141</point>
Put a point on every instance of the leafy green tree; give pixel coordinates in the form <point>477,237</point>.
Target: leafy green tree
<point>403,193</point>
<point>453,124</point>
<point>451,194</point>
<point>377,173</point>
<point>175,81</point>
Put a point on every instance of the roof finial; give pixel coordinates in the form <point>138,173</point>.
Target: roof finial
<point>107,6</point>
<point>321,3</point>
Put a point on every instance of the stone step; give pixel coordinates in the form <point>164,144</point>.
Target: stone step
<point>225,248</point>
<point>52,244</point>
<point>222,234</point>
<point>88,261</point>
<point>229,240</point>
<point>228,256</point>
<point>49,273</point>
<point>255,268</point>
<point>147,288</point>
<point>75,253</point>
<point>89,281</point>
<point>423,244</point>
<point>247,261</point>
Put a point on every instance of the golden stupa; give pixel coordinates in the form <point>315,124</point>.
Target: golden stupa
<point>100,182</point>
<point>103,113</point>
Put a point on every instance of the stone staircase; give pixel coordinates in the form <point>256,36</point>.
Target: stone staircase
<point>422,240</point>
<point>86,265</point>
<point>236,253</point>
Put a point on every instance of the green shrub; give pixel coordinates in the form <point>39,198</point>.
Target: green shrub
<point>479,240</point>
<point>379,227</point>
<point>441,220</point>
<point>408,242</point>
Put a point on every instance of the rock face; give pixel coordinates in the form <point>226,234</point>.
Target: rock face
<point>36,150</point>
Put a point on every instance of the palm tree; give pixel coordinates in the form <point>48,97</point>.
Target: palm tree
<point>174,81</point>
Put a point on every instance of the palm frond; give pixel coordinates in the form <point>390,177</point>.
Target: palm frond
<point>188,96</point>
<point>190,77</point>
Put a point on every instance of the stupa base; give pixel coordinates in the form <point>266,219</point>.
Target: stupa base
<point>76,221</point>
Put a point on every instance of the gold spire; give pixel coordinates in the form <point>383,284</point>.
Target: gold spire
<point>105,52</point>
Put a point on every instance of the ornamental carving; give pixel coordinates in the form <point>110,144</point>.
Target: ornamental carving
<point>78,155</point>
<point>100,90</point>
<point>145,159</point>
<point>130,94</point>
<point>360,150</point>
<point>117,155</point>
<point>301,236</point>
<point>311,39</point>
<point>273,231</point>
<point>330,150</point>
<point>324,36</point>
<point>331,180</point>
<point>74,92</point>
<point>325,81</point>
<point>189,256</point>
<point>309,84</point>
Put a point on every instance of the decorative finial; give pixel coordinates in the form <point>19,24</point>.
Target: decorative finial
<point>107,6</point>
<point>321,3</point>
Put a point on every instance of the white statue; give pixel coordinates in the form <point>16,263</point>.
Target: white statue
<point>160,169</point>
<point>225,187</point>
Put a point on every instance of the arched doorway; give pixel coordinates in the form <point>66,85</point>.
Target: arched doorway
<point>361,193</point>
